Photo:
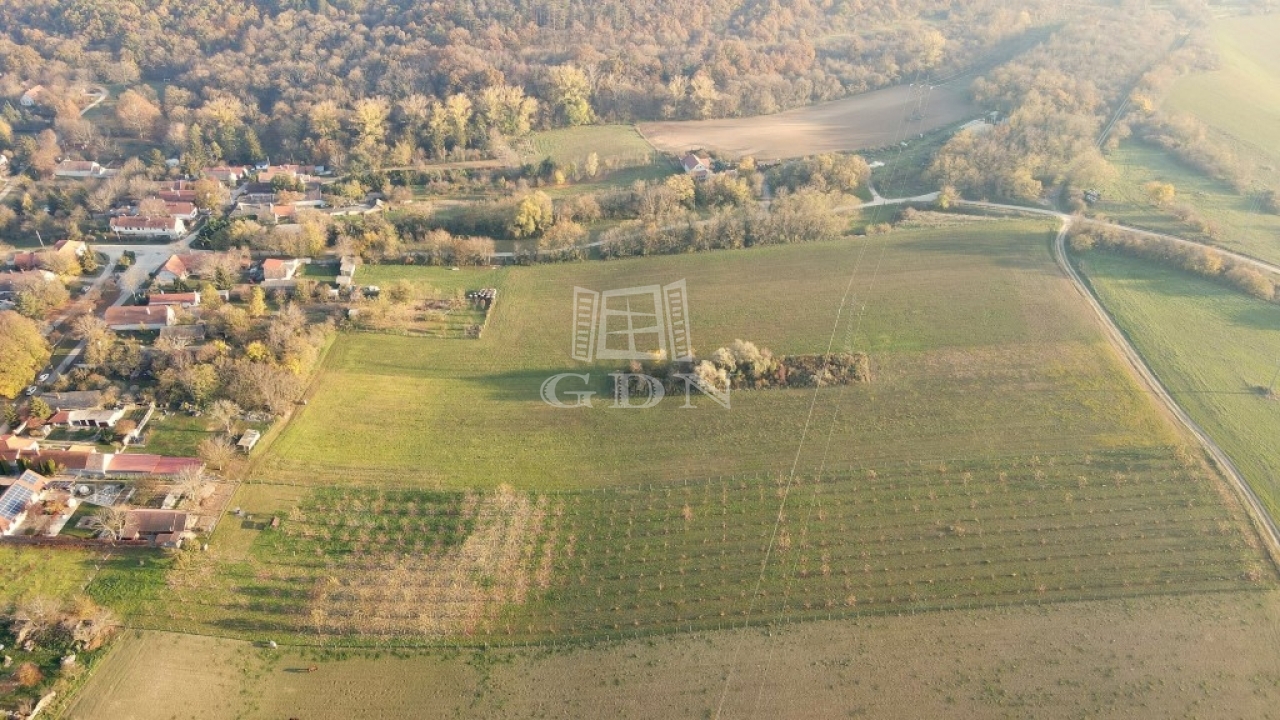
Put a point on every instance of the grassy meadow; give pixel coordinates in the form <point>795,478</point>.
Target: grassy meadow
<point>1190,656</point>
<point>29,572</point>
<point>1246,229</point>
<point>1001,456</point>
<point>979,349</point>
<point>1212,347</point>
<point>1241,99</point>
<point>615,145</point>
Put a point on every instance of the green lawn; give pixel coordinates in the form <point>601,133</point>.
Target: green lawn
<point>979,347</point>
<point>619,145</point>
<point>30,572</point>
<point>1212,347</point>
<point>1246,229</point>
<point>177,435</point>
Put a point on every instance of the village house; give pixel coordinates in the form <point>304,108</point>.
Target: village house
<point>171,227</point>
<point>71,248</point>
<point>18,498</point>
<point>163,528</point>
<point>23,261</point>
<point>279,269</point>
<point>184,300</point>
<point>188,196</point>
<point>86,418</point>
<point>256,193</point>
<point>32,96</point>
<point>77,169</point>
<point>173,270</point>
<point>184,211</point>
<point>699,168</point>
<point>13,443</point>
<point>139,317</point>
<point>226,175</point>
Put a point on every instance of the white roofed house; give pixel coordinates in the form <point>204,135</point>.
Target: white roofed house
<point>168,226</point>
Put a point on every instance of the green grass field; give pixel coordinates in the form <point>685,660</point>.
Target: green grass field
<point>978,344</point>
<point>1246,230</point>
<point>1241,100</point>
<point>29,572</point>
<point>619,145</point>
<point>1001,455</point>
<point>1212,347</point>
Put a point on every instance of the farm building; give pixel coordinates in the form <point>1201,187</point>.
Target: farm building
<point>139,317</point>
<point>77,169</point>
<point>248,440</point>
<point>128,464</point>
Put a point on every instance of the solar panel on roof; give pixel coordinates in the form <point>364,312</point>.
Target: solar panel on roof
<point>14,501</point>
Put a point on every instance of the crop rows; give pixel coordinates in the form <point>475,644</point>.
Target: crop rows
<point>360,565</point>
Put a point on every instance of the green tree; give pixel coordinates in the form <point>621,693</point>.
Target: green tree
<point>23,351</point>
<point>39,409</point>
<point>1160,193</point>
<point>533,214</point>
<point>570,94</point>
<point>257,305</point>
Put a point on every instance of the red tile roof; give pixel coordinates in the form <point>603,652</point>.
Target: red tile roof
<point>144,223</point>
<point>177,195</point>
<point>176,266</point>
<point>150,464</point>
<point>187,298</point>
<point>139,315</point>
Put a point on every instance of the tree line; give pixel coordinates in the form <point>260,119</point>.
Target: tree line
<point>1199,260</point>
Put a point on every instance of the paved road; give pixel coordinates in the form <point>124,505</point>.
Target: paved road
<point>1263,520</point>
<point>100,94</point>
<point>147,257</point>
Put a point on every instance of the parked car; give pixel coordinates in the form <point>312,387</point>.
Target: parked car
<point>44,377</point>
<point>31,390</point>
